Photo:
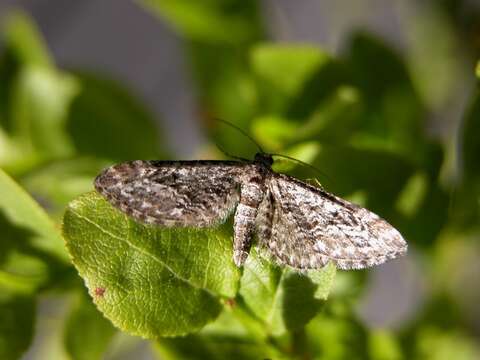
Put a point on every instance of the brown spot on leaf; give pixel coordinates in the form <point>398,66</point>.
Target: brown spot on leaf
<point>230,302</point>
<point>99,291</point>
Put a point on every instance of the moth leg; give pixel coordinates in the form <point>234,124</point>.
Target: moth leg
<point>251,195</point>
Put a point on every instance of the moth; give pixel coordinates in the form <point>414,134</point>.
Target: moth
<point>301,225</point>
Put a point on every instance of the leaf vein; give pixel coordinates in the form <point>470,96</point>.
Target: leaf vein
<point>142,251</point>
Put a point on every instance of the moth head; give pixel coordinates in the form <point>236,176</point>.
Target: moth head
<point>265,159</point>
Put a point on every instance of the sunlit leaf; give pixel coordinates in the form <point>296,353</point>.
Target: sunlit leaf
<point>286,67</point>
<point>39,109</point>
<point>212,21</point>
<point>273,132</point>
<point>31,246</point>
<point>23,38</point>
<point>284,299</point>
<point>283,70</point>
<point>305,152</point>
<point>384,346</point>
<point>57,183</point>
<point>34,98</point>
<point>149,281</point>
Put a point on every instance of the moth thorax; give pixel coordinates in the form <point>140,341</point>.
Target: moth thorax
<point>265,159</point>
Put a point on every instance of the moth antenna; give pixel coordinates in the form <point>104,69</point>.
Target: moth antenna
<point>243,132</point>
<point>304,164</point>
<point>230,155</point>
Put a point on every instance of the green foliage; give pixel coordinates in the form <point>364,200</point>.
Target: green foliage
<point>87,332</point>
<point>337,335</point>
<point>468,192</point>
<point>39,102</point>
<point>226,338</point>
<point>359,117</point>
<point>281,71</point>
<point>103,108</point>
<point>24,40</point>
<point>149,281</point>
<point>284,300</point>
<point>31,249</point>
<point>17,312</point>
<point>217,22</point>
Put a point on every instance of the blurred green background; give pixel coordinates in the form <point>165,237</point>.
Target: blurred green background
<point>382,98</point>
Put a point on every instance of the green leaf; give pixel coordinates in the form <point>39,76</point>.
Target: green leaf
<point>59,182</point>
<point>31,248</point>
<point>428,210</point>
<point>88,333</point>
<point>413,194</point>
<point>225,338</point>
<point>284,299</point>
<point>210,21</point>
<point>286,67</point>
<point>213,347</point>
<point>273,131</point>
<point>366,51</point>
<point>392,118</point>
<point>323,279</point>
<point>282,71</point>
<point>438,344</point>
<point>335,119</point>
<point>24,40</point>
<point>105,110</point>
<point>20,209</point>
<point>16,328</point>
<point>471,142</point>
<point>218,35</point>
<point>336,336</point>
<point>34,99</point>
<point>431,37</point>
<point>384,346</point>
<point>305,152</point>
<point>39,109</point>
<point>9,151</point>
<point>348,174</point>
<point>149,281</point>
<point>331,81</point>
<point>20,271</point>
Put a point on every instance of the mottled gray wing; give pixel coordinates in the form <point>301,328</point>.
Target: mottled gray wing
<point>183,193</point>
<point>309,227</point>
